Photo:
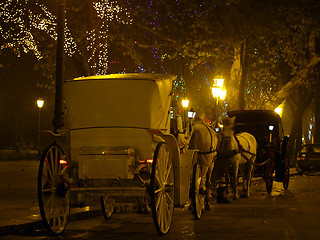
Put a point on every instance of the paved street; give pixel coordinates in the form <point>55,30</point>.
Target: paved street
<point>292,214</point>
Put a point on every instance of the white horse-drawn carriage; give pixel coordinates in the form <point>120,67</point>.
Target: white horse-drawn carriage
<point>116,143</point>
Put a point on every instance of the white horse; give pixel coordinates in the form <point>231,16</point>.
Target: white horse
<point>206,140</point>
<point>238,151</point>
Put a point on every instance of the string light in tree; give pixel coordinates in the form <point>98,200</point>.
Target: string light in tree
<point>20,18</point>
<point>106,11</point>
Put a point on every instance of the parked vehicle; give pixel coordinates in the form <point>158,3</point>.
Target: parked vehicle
<point>309,157</point>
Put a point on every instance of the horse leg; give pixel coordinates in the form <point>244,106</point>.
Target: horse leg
<point>204,170</point>
<point>222,178</point>
<point>250,173</point>
<point>209,186</point>
<point>246,172</point>
<point>235,176</point>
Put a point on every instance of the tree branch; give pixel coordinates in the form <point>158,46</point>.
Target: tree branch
<point>293,84</point>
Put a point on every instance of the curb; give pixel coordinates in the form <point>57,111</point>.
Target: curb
<point>36,228</point>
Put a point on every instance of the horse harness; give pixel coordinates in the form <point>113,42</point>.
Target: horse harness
<point>212,150</point>
<point>240,150</point>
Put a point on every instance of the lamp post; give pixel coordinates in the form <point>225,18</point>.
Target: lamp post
<point>40,103</point>
<point>218,93</point>
<point>58,119</point>
<point>278,110</point>
<point>185,104</point>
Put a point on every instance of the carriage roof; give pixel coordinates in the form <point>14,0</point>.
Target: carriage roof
<point>257,123</point>
<point>127,76</point>
<point>135,100</point>
<point>255,117</point>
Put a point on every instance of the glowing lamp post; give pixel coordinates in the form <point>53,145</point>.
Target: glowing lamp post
<point>185,103</point>
<point>278,110</point>
<point>218,93</point>
<point>40,103</point>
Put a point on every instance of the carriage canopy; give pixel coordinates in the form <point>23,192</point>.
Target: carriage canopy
<point>139,100</point>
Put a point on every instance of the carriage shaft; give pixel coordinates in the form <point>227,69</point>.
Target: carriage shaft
<point>113,191</point>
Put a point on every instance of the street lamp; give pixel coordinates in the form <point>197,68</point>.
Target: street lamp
<point>278,110</point>
<point>218,93</point>
<point>40,103</point>
<point>191,113</point>
<point>185,103</point>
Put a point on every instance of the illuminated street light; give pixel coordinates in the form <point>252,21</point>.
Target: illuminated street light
<point>185,103</point>
<point>223,94</point>
<point>278,110</point>
<point>218,82</point>
<point>40,103</point>
<point>218,93</point>
<point>191,113</point>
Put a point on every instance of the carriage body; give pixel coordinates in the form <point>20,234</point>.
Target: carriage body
<point>117,143</point>
<point>266,127</point>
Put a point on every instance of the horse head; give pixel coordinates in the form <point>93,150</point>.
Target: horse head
<point>228,126</point>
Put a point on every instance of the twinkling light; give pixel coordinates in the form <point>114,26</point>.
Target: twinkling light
<point>97,39</point>
<point>19,19</point>
<point>14,30</point>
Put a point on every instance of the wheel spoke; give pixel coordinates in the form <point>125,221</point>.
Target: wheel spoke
<point>161,168</point>
<point>158,182</point>
<point>49,202</point>
<point>169,198</point>
<point>158,199</point>
<point>45,180</point>
<point>168,173</point>
<point>49,170</point>
<point>52,161</point>
<point>55,161</point>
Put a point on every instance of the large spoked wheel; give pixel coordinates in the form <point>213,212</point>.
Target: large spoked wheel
<point>107,206</point>
<point>269,175</point>
<point>286,174</point>
<point>162,189</point>
<point>197,199</point>
<point>53,189</point>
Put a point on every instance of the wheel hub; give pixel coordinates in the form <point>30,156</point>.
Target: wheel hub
<point>61,188</point>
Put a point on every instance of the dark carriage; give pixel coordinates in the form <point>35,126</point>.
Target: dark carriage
<point>272,158</point>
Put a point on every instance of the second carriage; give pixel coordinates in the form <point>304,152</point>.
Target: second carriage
<point>272,160</point>
<point>117,143</point>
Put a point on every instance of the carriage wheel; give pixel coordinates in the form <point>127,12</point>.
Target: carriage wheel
<point>286,174</point>
<point>269,175</point>
<point>162,189</point>
<point>107,206</point>
<point>197,199</point>
<point>53,190</point>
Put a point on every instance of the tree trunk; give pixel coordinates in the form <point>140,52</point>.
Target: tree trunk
<point>317,110</point>
<point>298,104</point>
<point>244,67</point>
